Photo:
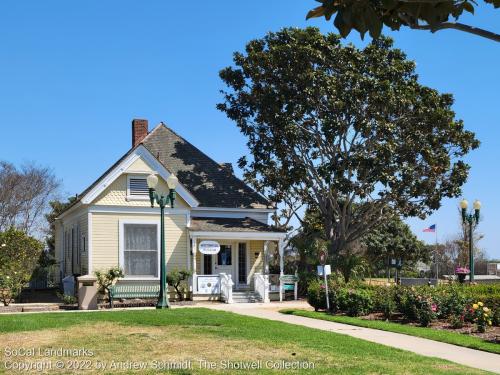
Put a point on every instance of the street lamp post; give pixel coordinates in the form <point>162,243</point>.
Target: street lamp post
<point>472,219</point>
<point>162,200</point>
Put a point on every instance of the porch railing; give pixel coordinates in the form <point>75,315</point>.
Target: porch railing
<point>261,285</point>
<point>226,288</point>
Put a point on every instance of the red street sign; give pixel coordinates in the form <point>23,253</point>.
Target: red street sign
<point>322,257</point>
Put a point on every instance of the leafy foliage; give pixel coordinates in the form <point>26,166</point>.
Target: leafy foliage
<point>482,316</point>
<point>350,131</point>
<point>393,239</point>
<point>371,15</point>
<point>384,301</point>
<point>67,299</point>
<point>56,208</point>
<point>19,255</point>
<point>479,304</point>
<point>355,301</point>
<point>177,279</point>
<point>105,279</point>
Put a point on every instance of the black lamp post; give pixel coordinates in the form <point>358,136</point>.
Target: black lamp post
<point>162,200</point>
<point>472,219</point>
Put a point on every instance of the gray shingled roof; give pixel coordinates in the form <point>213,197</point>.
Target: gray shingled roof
<point>216,224</point>
<point>212,184</point>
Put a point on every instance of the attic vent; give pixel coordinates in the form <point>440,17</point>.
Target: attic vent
<point>137,186</point>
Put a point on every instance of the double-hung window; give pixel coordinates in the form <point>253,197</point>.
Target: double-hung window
<point>140,249</point>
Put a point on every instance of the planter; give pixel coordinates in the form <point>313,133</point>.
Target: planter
<point>461,277</point>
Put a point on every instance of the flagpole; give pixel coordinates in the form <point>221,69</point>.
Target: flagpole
<point>436,257</point>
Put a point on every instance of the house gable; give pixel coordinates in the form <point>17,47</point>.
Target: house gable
<point>111,188</point>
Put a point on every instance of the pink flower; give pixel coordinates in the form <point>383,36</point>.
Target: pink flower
<point>322,286</point>
<point>434,307</point>
<point>462,270</point>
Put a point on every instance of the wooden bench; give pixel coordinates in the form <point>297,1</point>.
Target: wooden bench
<point>128,291</point>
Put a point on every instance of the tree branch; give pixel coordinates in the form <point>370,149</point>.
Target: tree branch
<point>458,26</point>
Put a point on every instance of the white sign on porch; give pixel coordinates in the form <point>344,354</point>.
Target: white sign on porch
<point>209,247</point>
<point>208,284</point>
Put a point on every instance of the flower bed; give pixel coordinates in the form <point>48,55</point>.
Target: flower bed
<point>492,334</point>
<point>463,308</point>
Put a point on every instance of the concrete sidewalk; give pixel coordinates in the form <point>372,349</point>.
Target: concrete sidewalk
<point>464,356</point>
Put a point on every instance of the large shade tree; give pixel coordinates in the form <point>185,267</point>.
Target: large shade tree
<point>394,239</point>
<point>391,239</point>
<point>350,131</point>
<point>371,15</point>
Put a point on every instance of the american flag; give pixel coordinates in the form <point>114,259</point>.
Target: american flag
<point>431,229</point>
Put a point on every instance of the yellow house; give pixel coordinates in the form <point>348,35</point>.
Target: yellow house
<point>112,223</point>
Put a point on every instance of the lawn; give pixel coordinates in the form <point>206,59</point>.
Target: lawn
<point>428,333</point>
<point>195,334</point>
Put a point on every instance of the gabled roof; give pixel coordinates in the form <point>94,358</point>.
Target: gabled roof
<point>212,184</point>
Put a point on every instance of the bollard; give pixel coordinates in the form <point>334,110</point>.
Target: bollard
<point>87,293</point>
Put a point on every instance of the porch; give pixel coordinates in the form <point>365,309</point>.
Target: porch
<point>239,271</point>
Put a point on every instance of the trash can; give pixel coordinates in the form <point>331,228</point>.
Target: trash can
<point>87,293</point>
<point>69,285</point>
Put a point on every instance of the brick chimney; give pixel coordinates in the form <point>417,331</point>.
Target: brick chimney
<point>139,131</point>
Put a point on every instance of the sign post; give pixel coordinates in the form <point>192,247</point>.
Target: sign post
<point>325,269</point>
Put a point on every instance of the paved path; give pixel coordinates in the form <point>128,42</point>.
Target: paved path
<point>464,356</point>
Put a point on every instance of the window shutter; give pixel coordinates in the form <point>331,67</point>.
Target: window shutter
<point>138,186</point>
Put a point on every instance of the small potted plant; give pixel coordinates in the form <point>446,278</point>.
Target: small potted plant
<point>461,272</point>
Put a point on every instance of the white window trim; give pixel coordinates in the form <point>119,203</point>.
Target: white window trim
<point>121,258</point>
<point>131,197</point>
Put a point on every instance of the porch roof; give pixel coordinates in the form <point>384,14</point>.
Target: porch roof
<point>222,224</point>
<point>212,226</point>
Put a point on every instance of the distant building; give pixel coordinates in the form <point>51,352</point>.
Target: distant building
<point>493,269</point>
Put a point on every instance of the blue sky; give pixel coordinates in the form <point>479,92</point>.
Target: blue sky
<point>74,74</point>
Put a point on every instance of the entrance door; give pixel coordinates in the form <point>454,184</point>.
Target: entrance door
<point>207,264</point>
<point>224,260</point>
<point>242,264</point>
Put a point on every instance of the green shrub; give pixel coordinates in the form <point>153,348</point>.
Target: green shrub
<point>384,300</point>
<point>406,302</point>
<point>177,279</point>
<point>316,295</point>
<point>451,301</point>
<point>420,304</point>
<point>482,316</point>
<point>355,301</point>
<point>19,255</point>
<point>456,321</point>
<point>67,299</point>
<point>495,319</point>
<point>105,279</point>
<point>426,309</point>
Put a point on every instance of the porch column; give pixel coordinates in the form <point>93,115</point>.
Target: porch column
<point>281,250</point>
<point>193,258</point>
<point>266,257</point>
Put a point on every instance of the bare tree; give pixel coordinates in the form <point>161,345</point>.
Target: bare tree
<point>25,193</point>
